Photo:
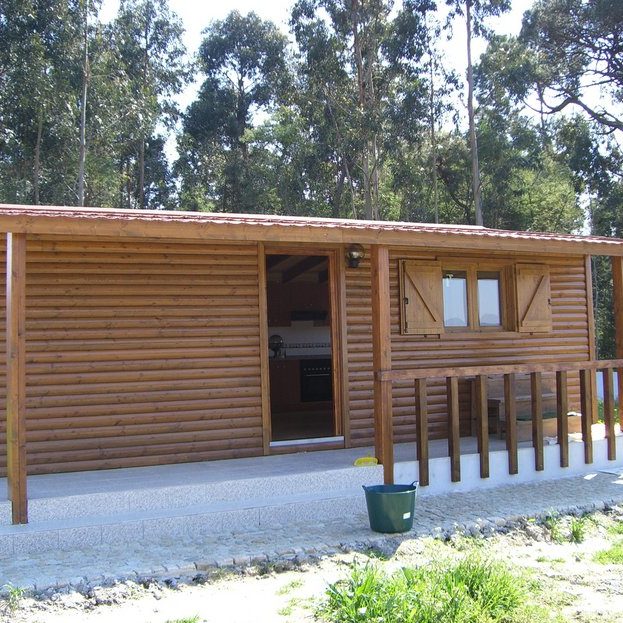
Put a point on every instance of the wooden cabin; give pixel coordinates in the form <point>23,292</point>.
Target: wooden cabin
<point>139,338</point>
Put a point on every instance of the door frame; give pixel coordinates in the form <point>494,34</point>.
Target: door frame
<point>339,362</point>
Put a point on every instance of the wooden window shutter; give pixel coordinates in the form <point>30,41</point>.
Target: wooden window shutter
<point>534,307</point>
<point>421,297</point>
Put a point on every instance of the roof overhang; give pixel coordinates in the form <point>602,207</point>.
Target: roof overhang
<point>198,226</point>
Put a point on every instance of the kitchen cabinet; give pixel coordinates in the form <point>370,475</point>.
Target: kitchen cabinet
<point>285,384</point>
<point>283,300</point>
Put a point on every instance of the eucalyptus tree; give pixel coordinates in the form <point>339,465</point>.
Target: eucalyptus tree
<point>577,48</point>
<point>243,60</point>
<point>39,71</point>
<point>150,58</point>
<point>475,12</point>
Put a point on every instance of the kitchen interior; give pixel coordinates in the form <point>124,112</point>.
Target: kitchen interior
<point>299,329</point>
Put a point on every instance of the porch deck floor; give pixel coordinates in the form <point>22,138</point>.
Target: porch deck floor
<point>136,478</point>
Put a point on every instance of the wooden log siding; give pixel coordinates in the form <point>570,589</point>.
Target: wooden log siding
<point>140,353</point>
<point>568,341</point>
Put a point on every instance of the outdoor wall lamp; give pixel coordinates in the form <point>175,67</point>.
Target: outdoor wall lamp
<point>354,254</point>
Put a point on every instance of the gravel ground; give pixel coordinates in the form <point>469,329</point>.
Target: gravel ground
<point>287,590</point>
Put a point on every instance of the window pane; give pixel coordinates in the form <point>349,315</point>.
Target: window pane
<point>455,299</point>
<point>489,300</point>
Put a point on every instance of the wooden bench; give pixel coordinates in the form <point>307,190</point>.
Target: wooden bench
<point>523,400</point>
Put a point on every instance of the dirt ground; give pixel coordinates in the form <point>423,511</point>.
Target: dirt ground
<point>582,590</point>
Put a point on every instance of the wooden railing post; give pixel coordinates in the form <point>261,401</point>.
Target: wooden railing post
<point>16,376</point>
<point>482,418</point>
<point>608,378</point>
<point>586,406</point>
<point>537,419</point>
<point>382,361</point>
<point>562,421</point>
<point>510,417</point>
<point>454,443</point>
<point>421,419</point>
<point>617,299</point>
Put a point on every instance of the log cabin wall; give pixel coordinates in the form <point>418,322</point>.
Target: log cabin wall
<point>568,341</point>
<point>140,353</point>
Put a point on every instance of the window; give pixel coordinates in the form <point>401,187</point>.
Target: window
<point>489,298</point>
<point>455,299</point>
<point>452,296</point>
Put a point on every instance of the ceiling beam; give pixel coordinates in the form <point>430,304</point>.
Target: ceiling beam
<point>302,266</point>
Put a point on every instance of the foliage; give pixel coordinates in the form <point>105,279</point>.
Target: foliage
<point>577,529</point>
<point>472,589</point>
<point>611,556</point>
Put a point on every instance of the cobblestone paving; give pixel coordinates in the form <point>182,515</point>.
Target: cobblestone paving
<point>471,512</point>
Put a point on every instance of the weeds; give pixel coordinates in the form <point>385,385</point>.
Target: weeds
<point>611,556</point>
<point>472,589</point>
<point>577,529</point>
<point>14,597</point>
<point>290,586</point>
<point>617,528</point>
<point>553,524</point>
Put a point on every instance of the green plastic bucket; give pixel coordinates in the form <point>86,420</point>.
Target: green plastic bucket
<point>391,507</point>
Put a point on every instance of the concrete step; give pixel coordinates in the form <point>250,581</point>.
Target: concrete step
<point>121,499</point>
<point>187,511</point>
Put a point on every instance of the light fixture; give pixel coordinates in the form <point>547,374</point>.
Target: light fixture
<point>354,254</point>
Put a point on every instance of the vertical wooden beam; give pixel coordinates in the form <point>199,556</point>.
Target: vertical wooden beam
<point>537,419</point>
<point>454,444</point>
<point>562,409</point>
<point>382,361</point>
<point>482,413</point>
<point>617,300</point>
<point>592,340</point>
<point>264,362</point>
<point>608,378</point>
<point>586,406</point>
<point>510,417</point>
<point>16,376</point>
<point>421,419</point>
<point>339,330</point>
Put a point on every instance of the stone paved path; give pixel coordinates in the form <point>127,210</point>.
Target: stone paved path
<point>434,515</point>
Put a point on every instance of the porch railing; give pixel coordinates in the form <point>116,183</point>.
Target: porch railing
<point>479,374</point>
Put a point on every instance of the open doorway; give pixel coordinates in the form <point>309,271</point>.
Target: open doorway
<point>301,353</point>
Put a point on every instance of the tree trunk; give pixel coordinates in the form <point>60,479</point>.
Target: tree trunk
<point>433,139</point>
<point>82,153</point>
<point>470,112</point>
<point>36,173</point>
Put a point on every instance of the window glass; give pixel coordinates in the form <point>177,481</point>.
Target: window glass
<point>455,299</point>
<point>489,299</point>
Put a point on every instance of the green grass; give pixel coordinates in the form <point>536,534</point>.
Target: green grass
<point>290,586</point>
<point>553,524</point>
<point>472,590</point>
<point>194,619</point>
<point>577,529</point>
<point>611,556</point>
<point>14,597</point>
<point>617,528</point>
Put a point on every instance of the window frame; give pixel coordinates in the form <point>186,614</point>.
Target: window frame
<point>471,268</point>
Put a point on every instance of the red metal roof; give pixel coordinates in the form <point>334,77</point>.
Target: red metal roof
<point>34,218</point>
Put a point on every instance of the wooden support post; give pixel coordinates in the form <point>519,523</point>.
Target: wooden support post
<point>482,412</point>
<point>421,418</point>
<point>382,361</point>
<point>586,406</point>
<point>592,340</point>
<point>562,409</point>
<point>264,362</point>
<point>510,417</point>
<point>608,378</point>
<point>617,300</point>
<point>454,444</point>
<point>16,375</point>
<point>537,419</point>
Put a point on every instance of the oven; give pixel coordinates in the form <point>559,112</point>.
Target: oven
<point>316,380</point>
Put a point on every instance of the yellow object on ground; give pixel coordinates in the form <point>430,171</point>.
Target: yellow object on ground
<point>363,461</point>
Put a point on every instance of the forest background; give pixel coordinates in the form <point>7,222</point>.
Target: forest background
<point>358,111</point>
